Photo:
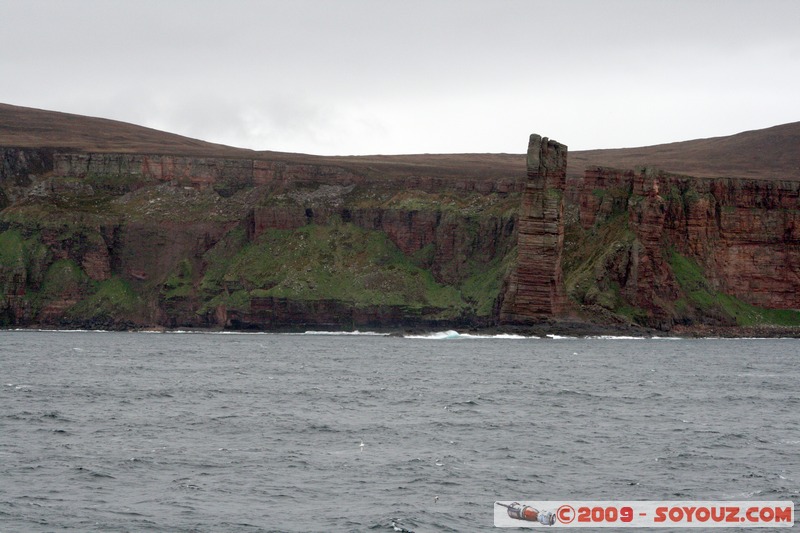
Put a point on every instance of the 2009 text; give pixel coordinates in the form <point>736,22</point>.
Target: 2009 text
<point>645,514</point>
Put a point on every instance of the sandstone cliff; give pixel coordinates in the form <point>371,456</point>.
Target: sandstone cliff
<point>283,241</point>
<point>121,240</point>
<point>667,249</point>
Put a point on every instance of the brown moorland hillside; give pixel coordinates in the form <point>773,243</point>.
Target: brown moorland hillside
<point>771,153</point>
<point>24,127</point>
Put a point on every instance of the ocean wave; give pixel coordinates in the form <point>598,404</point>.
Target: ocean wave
<point>234,332</point>
<point>748,338</point>
<point>210,332</point>
<point>499,336</point>
<point>55,330</point>
<point>355,332</point>
<point>452,334</point>
<point>619,338</point>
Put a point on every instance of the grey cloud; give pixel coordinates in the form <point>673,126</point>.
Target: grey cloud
<point>359,76</point>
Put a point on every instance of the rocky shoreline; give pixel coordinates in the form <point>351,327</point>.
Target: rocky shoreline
<point>544,330</point>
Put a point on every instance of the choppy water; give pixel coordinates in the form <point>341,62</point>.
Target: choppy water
<point>214,432</point>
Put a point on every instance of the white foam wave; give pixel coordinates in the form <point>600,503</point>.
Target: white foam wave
<point>620,338</point>
<point>355,332</point>
<point>449,334</point>
<point>228,332</point>
<point>206,332</point>
<point>233,332</point>
<point>630,338</point>
<point>48,330</point>
<point>503,336</point>
<point>452,334</point>
<point>434,335</point>
<point>748,338</point>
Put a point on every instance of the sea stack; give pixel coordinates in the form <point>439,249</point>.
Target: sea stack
<point>536,286</point>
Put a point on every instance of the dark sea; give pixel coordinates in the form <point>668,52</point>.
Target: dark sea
<point>205,432</point>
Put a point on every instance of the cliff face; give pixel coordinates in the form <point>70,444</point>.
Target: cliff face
<point>16,167</point>
<point>676,249</point>
<point>120,240</point>
<point>228,175</point>
<point>140,240</point>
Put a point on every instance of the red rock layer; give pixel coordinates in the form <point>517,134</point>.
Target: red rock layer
<point>744,233</point>
<point>536,286</point>
<point>144,251</point>
<point>240,173</point>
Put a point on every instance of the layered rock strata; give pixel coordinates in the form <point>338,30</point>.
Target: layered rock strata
<point>536,286</point>
<point>229,175</point>
<point>152,227</point>
<point>743,234</point>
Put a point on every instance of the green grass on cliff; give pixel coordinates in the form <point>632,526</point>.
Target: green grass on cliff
<point>25,261</point>
<point>63,277</point>
<point>701,296</point>
<point>482,287</point>
<point>179,284</point>
<point>24,258</point>
<point>592,258</point>
<point>66,223</point>
<point>338,261</point>
<point>12,270</point>
<point>11,249</point>
<point>106,204</point>
<point>110,300</point>
<point>25,265</point>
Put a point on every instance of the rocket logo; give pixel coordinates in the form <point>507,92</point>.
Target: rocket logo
<point>527,513</point>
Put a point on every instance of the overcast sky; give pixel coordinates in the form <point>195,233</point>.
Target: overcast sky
<point>440,76</point>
